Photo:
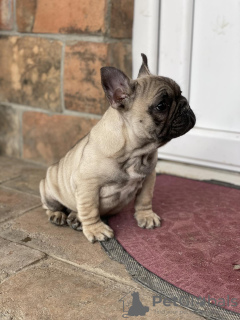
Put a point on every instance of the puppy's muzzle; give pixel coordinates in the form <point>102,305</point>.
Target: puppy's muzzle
<point>184,120</point>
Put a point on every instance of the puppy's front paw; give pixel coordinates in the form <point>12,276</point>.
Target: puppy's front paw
<point>147,219</point>
<point>98,232</point>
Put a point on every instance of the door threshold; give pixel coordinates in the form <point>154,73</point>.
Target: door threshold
<point>197,172</point>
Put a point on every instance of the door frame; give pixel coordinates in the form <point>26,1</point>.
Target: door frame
<point>200,146</point>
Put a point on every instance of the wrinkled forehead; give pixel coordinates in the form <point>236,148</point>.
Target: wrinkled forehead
<point>156,86</point>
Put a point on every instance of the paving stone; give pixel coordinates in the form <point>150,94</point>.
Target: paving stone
<point>15,169</point>
<point>121,19</point>
<point>14,257</point>
<point>5,316</point>
<point>9,131</point>
<point>14,203</point>
<point>30,72</point>
<point>60,291</point>
<point>3,276</point>
<point>28,181</point>
<point>53,135</point>
<point>61,16</point>
<point>21,175</point>
<point>6,14</point>
<point>62,242</point>
<point>55,290</point>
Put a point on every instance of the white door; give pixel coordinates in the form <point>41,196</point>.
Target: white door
<point>197,43</point>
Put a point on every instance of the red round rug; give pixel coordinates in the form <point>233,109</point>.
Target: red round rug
<point>197,245</point>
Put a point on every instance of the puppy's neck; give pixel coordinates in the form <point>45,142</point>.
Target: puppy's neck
<point>123,136</point>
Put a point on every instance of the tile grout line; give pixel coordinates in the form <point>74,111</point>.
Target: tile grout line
<point>20,121</point>
<point>27,161</point>
<point>14,16</point>
<point>108,17</point>
<point>62,78</point>
<point>55,36</point>
<point>19,191</point>
<point>10,179</point>
<point>52,113</point>
<point>92,270</point>
<point>45,256</point>
<point>89,270</point>
<point>67,37</point>
<point>21,214</point>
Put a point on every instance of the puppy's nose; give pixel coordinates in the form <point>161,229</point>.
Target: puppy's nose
<point>187,112</point>
<point>185,108</point>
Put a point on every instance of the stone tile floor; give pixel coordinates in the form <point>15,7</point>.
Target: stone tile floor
<point>49,272</point>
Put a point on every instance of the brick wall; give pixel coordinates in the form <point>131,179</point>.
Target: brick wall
<point>51,52</point>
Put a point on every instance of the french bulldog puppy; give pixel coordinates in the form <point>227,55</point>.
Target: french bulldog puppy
<point>115,162</point>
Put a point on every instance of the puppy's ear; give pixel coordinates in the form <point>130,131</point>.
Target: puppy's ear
<point>116,86</point>
<point>144,71</point>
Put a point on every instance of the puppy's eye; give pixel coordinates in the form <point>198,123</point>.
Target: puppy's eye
<point>162,106</point>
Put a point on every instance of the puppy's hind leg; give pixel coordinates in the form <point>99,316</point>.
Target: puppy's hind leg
<point>58,218</point>
<point>73,221</point>
<point>55,211</point>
